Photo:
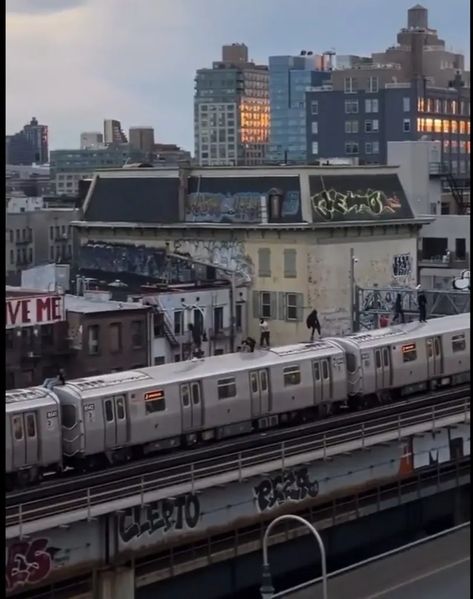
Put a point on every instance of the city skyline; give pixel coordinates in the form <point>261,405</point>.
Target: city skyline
<point>145,72</point>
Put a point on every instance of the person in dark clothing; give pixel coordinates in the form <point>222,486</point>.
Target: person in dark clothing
<point>398,310</point>
<point>313,323</point>
<point>248,345</point>
<point>264,329</point>
<point>422,301</point>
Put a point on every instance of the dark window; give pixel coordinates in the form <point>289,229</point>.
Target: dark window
<point>93,339</point>
<point>185,396</point>
<point>226,388</point>
<point>47,335</point>
<point>108,410</point>
<point>17,422</point>
<point>178,322</point>
<point>317,371</point>
<point>264,380</point>
<point>115,336</point>
<point>325,369</point>
<point>434,247</point>
<point>137,334</point>
<point>254,382</point>
<point>292,376</point>
<point>351,363</point>
<point>155,405</point>
<point>195,393</point>
<point>409,355</point>
<point>378,358</point>
<point>68,414</point>
<point>30,425</point>
<point>238,316</point>
<point>460,249</point>
<point>159,360</point>
<point>458,343</point>
<point>120,404</point>
<point>386,357</point>
<point>265,298</point>
<point>9,339</point>
<point>218,318</point>
<point>158,324</point>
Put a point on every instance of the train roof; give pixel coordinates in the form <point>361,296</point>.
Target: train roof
<point>29,399</point>
<point>405,332</point>
<point>225,364</point>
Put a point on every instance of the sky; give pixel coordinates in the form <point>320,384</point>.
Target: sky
<point>73,63</point>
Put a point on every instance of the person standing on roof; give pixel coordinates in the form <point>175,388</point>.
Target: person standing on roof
<point>313,323</point>
<point>399,310</point>
<point>422,301</point>
<point>264,328</point>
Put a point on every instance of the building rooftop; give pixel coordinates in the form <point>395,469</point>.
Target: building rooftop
<point>12,292</point>
<point>86,305</point>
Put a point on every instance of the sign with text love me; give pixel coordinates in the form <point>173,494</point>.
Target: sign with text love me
<point>30,311</point>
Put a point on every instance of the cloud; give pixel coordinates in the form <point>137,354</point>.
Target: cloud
<point>72,63</point>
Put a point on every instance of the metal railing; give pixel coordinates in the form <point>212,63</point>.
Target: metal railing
<point>279,454</point>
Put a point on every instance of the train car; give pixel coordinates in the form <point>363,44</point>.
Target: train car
<point>408,358</point>
<point>32,434</point>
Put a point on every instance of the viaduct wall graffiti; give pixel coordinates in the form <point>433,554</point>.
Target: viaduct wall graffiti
<point>358,198</point>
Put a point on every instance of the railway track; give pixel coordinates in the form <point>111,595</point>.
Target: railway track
<point>135,482</point>
<point>71,481</point>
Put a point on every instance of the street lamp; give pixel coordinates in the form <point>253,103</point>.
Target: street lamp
<point>267,589</point>
<point>353,261</point>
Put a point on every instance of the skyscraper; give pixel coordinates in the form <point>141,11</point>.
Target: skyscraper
<point>91,140</point>
<point>289,78</point>
<point>231,110</point>
<point>142,138</point>
<point>112,132</point>
<point>29,145</point>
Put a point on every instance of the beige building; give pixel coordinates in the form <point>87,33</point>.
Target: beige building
<point>296,238</point>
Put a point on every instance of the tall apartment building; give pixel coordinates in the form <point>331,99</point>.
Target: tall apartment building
<point>231,110</point>
<point>112,132</point>
<point>416,90</point>
<point>90,140</point>
<point>289,79</point>
<point>142,138</point>
<point>28,146</point>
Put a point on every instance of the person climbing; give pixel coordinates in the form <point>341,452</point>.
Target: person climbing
<point>313,323</point>
<point>422,301</point>
<point>264,328</point>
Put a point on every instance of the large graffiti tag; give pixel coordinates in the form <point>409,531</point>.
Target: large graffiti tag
<point>164,516</point>
<point>217,207</point>
<point>28,562</point>
<point>331,204</point>
<point>288,486</point>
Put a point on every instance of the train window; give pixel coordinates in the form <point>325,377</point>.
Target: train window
<point>458,343</point>
<point>317,371</point>
<point>17,423</point>
<point>292,376</point>
<point>386,356</point>
<point>430,352</point>
<point>30,425</point>
<point>264,380</point>
<point>325,369</point>
<point>195,393</point>
<point>226,388</point>
<point>108,410</point>
<point>437,346</point>
<point>155,405</point>
<point>120,405</point>
<point>185,397</point>
<point>409,352</point>
<point>351,363</point>
<point>377,354</point>
<point>68,416</point>
<point>254,382</point>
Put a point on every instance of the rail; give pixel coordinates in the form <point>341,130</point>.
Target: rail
<point>138,485</point>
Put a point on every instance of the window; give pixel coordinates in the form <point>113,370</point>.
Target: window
<point>292,376</point>
<point>371,126</point>
<point>290,263</point>
<point>351,126</point>
<point>17,423</point>
<point>314,107</point>
<point>351,362</point>
<point>108,410</point>
<point>460,249</point>
<point>375,147</point>
<point>93,339</point>
<point>264,262</point>
<point>315,148</point>
<point>406,104</point>
<point>137,334</point>
<point>409,352</point>
<point>178,322</point>
<point>351,148</point>
<point>371,105</point>
<point>351,106</point>
<point>315,127</point>
<point>68,416</point>
<point>238,316</point>
<point>158,324</point>
<point>368,148</point>
<point>350,85</point>
<point>154,401</point>
<point>458,343</point>
<point>406,125</point>
<point>292,306</point>
<point>317,371</point>
<point>159,360</point>
<point>265,305</point>
<point>378,358</point>
<point>185,395</point>
<point>325,374</point>
<point>115,336</point>
<point>226,388</point>
<point>373,85</point>
<point>218,319</point>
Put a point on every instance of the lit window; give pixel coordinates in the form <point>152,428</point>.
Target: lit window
<point>438,126</point>
<point>315,127</point>
<point>315,148</point>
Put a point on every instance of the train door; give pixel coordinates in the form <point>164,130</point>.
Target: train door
<point>378,362</point>
<point>197,408</point>
<point>109,422</point>
<point>259,392</point>
<point>326,383</point>
<point>387,380</point>
<point>318,396</point>
<point>31,437</point>
<point>438,356</point>
<point>18,441</point>
<point>120,420</point>
<point>186,407</point>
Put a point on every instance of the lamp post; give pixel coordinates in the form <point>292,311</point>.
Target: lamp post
<point>267,589</point>
<point>353,261</point>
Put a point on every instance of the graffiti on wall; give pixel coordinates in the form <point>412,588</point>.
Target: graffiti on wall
<point>358,198</point>
<point>288,486</point>
<point>221,208</point>
<point>121,258</point>
<point>402,266</point>
<point>28,562</point>
<point>163,516</point>
<point>226,254</point>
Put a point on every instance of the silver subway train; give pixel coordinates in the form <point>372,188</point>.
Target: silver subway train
<point>124,415</point>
